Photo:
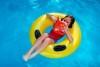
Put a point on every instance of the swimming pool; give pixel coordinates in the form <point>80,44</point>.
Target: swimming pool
<point>17,16</point>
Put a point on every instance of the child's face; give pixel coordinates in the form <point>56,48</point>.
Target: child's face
<point>67,20</point>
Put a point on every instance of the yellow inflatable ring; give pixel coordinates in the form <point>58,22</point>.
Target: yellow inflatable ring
<point>42,23</point>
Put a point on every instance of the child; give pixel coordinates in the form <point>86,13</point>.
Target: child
<point>60,28</point>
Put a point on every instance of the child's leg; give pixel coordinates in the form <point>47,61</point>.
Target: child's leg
<point>37,43</point>
<point>45,43</point>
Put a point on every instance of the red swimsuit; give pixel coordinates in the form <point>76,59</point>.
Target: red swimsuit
<point>58,30</point>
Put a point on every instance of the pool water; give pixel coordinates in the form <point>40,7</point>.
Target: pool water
<point>17,16</point>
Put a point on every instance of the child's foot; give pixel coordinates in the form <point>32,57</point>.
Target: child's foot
<point>25,58</point>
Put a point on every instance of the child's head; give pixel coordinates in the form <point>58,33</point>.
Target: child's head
<point>69,20</point>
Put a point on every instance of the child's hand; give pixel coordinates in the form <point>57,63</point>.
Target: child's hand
<point>47,15</point>
<point>53,18</point>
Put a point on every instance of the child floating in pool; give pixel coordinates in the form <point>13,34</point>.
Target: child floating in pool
<point>60,28</point>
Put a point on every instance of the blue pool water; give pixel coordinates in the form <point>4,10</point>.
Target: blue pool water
<point>17,16</point>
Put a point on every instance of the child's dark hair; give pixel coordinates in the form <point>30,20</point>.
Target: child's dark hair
<point>72,20</point>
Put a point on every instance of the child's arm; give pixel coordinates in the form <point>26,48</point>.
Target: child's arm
<point>70,38</point>
<point>53,18</point>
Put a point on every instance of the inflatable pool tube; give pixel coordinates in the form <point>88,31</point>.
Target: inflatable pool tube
<point>42,23</point>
